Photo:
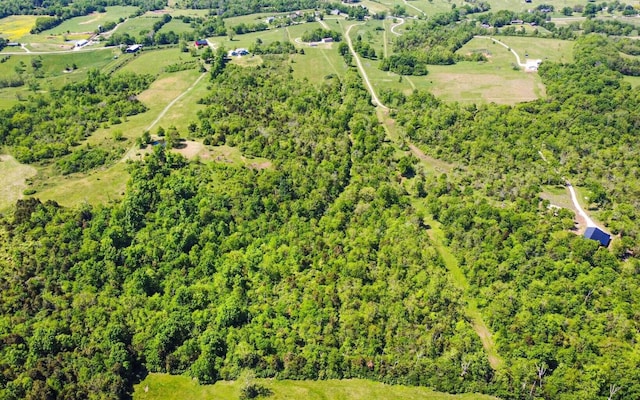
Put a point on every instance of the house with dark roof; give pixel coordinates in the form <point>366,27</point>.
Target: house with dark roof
<point>597,234</point>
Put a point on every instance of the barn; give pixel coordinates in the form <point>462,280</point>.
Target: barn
<point>597,234</point>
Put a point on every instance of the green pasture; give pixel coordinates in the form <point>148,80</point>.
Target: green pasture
<point>134,26</point>
<point>316,63</point>
<point>100,186</point>
<point>170,387</point>
<point>188,12</point>
<point>90,23</point>
<point>248,39</point>
<point>536,48</point>
<point>177,26</point>
<point>156,60</point>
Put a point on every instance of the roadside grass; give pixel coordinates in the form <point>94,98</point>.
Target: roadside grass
<point>13,180</point>
<point>15,27</point>
<point>169,387</point>
<point>90,23</point>
<point>557,195</point>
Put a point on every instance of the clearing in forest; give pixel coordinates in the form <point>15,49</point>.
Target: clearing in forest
<point>169,387</point>
<point>13,180</point>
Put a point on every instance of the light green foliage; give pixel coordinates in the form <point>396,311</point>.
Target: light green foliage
<point>167,387</point>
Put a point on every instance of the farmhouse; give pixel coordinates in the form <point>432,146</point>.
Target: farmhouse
<point>594,233</point>
<point>133,48</point>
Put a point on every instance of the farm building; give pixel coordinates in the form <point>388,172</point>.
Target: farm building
<point>133,48</point>
<point>594,233</point>
<point>82,42</point>
<point>200,42</point>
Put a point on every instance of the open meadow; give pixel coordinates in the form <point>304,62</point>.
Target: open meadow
<point>13,180</point>
<point>89,23</point>
<point>15,27</point>
<point>174,387</point>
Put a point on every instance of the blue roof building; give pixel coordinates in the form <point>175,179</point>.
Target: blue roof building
<point>594,233</point>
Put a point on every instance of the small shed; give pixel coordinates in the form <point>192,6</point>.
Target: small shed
<point>595,233</point>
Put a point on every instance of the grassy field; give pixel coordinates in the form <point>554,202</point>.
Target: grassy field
<point>633,80</point>
<point>15,27</point>
<point>167,387</point>
<point>177,26</point>
<point>155,61</point>
<point>13,176</point>
<point>134,26</point>
<point>538,48</point>
<point>89,23</point>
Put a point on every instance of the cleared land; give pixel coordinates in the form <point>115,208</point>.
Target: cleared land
<point>16,27</point>
<point>13,180</point>
<point>168,387</point>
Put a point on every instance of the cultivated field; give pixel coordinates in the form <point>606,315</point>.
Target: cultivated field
<point>168,387</point>
<point>15,27</point>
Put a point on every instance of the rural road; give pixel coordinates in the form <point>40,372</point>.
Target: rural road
<point>578,207</point>
<point>394,26</point>
<point>374,97</point>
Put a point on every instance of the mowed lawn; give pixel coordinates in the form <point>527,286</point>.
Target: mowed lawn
<point>89,23</point>
<point>169,387</point>
<point>15,27</point>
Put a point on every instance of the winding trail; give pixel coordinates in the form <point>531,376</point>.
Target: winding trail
<point>506,47</point>
<point>129,154</point>
<point>374,96</point>
<point>471,310</point>
<point>397,24</point>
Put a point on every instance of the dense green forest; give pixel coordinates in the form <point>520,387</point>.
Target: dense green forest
<point>321,262</point>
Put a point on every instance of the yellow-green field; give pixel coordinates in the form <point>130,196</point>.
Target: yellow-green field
<point>15,27</point>
<point>168,387</point>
